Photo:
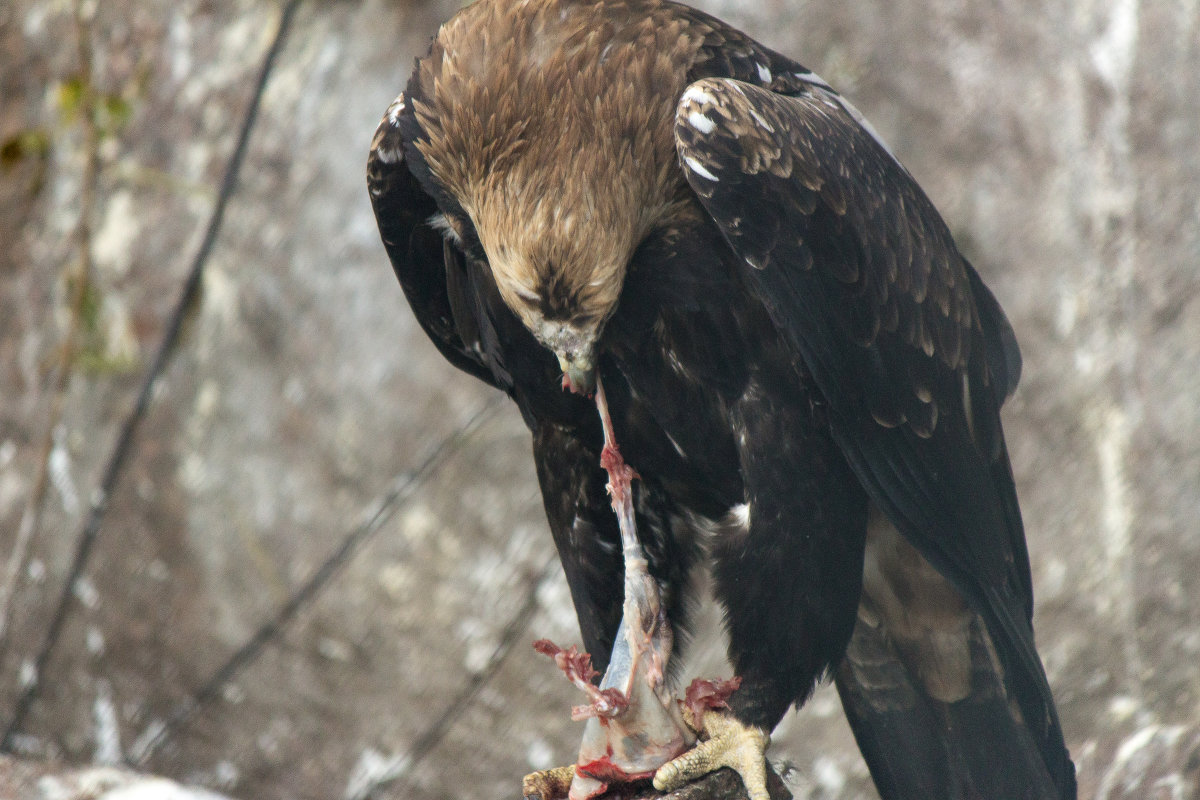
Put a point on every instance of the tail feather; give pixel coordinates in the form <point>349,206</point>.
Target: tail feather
<point>975,748</point>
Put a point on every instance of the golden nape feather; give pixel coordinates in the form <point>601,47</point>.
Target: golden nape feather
<point>537,121</point>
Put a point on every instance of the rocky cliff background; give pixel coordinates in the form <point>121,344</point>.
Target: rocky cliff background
<point>322,558</point>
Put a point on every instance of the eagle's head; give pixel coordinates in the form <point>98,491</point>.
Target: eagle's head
<point>552,131</point>
<point>558,257</point>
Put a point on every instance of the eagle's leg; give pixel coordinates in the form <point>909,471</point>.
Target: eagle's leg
<point>729,743</point>
<point>789,578</point>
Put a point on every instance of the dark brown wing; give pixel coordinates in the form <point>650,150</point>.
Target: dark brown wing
<point>433,274</point>
<point>913,356</point>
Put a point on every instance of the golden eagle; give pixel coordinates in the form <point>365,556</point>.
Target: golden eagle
<point>800,364</point>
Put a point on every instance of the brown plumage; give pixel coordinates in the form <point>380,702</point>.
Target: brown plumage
<point>553,131</point>
<point>799,362</point>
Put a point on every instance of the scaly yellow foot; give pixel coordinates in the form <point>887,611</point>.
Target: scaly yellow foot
<point>729,744</point>
<point>548,784</point>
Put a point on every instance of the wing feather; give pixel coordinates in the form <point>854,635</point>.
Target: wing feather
<point>431,273</point>
<point>913,355</point>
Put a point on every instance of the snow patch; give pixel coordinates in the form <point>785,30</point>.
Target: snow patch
<point>539,754</point>
<point>554,601</point>
<point>142,744</point>
<point>108,729</point>
<point>179,34</point>
<point>159,789</point>
<point>480,643</point>
<point>35,22</point>
<point>1112,448</point>
<point>335,649</point>
<point>372,769</point>
<point>1123,707</point>
<point>28,675</point>
<point>158,570</point>
<point>112,247</point>
<point>94,641</point>
<point>829,776</point>
<point>85,590</point>
<point>1113,53</point>
<point>59,467</point>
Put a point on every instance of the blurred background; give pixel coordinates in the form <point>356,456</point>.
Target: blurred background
<point>321,557</point>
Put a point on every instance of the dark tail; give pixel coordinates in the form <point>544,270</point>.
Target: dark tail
<point>917,747</point>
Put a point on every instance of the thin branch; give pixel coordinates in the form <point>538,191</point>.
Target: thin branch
<point>99,500</point>
<point>429,738</point>
<point>161,732</point>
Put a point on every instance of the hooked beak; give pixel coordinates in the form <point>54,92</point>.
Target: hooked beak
<point>579,376</point>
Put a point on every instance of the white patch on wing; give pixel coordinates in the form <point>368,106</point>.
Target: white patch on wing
<point>675,444</point>
<point>695,94</point>
<point>701,122</point>
<point>762,122</point>
<point>830,93</point>
<point>857,116</point>
<point>699,169</point>
<point>764,74</point>
<point>388,155</point>
<point>814,79</point>
<point>394,110</point>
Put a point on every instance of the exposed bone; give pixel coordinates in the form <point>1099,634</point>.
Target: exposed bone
<point>634,725</point>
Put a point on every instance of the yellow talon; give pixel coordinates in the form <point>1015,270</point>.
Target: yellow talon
<point>730,744</point>
<point>548,784</point>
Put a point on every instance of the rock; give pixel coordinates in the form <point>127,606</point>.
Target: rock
<point>26,780</point>
<point>1058,140</point>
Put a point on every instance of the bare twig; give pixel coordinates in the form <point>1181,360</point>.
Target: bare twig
<point>429,738</point>
<point>98,503</point>
<point>78,284</point>
<point>161,732</point>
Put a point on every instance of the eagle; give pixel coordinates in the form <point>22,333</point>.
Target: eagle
<point>802,367</point>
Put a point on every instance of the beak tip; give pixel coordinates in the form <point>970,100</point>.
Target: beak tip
<point>578,378</point>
